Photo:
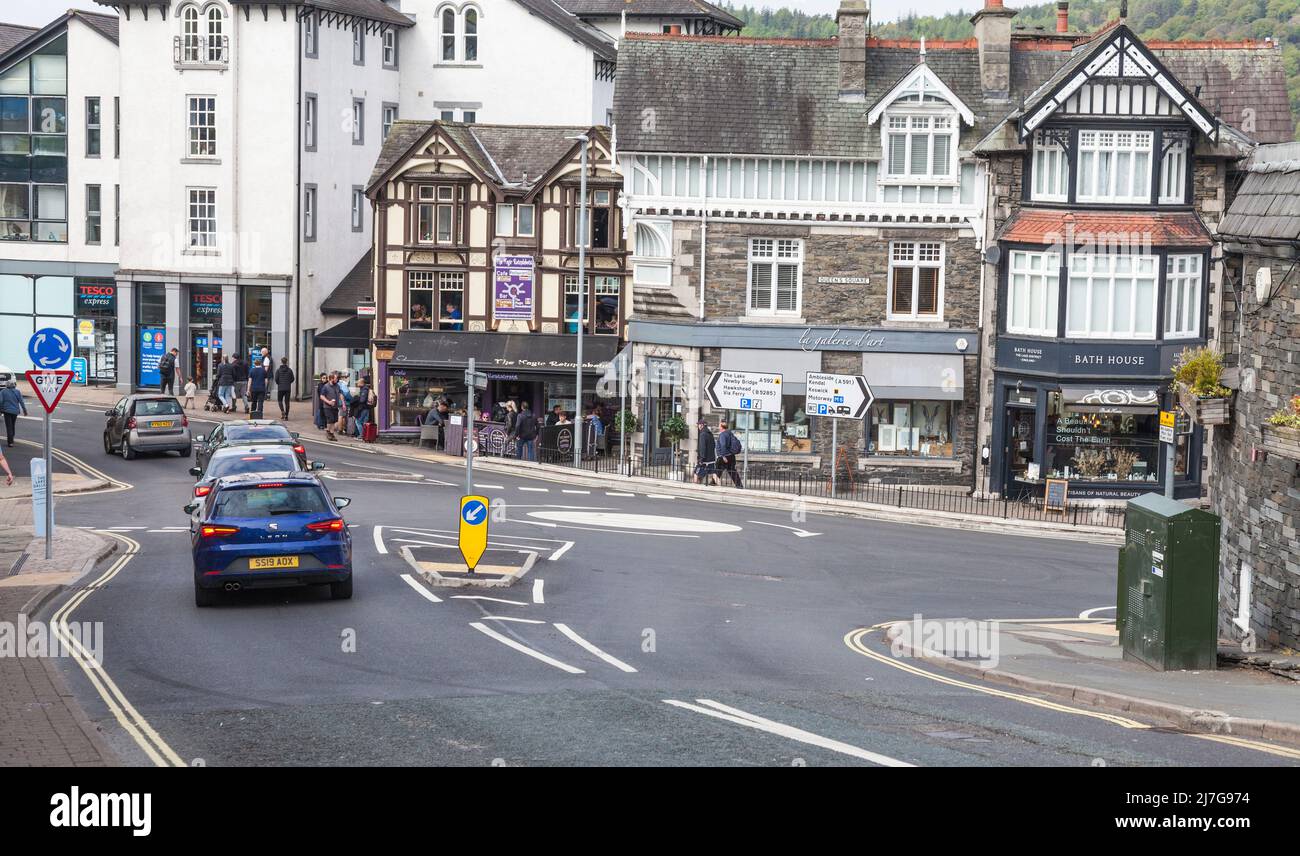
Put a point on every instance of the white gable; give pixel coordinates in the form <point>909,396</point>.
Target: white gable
<point>920,87</point>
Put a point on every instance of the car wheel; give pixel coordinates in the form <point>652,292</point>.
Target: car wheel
<point>187,451</point>
<point>128,454</point>
<point>108,447</point>
<point>205,597</point>
<point>341,591</point>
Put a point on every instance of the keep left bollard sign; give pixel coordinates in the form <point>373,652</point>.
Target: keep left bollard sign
<point>473,529</point>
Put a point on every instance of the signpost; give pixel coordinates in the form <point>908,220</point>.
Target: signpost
<point>837,397</point>
<point>744,391</point>
<point>473,529</point>
<point>1168,430</point>
<point>49,386</point>
<point>367,309</point>
<point>473,380</point>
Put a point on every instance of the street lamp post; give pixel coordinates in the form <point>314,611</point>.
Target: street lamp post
<point>580,432</point>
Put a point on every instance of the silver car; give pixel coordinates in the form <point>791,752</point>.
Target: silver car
<point>147,423</point>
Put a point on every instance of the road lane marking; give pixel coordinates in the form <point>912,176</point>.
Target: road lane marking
<point>800,533</point>
<point>660,496</point>
<point>424,592</point>
<point>524,649</point>
<point>749,720</point>
<point>53,421</point>
<point>617,493</point>
<point>566,490</point>
<point>379,541</point>
<point>509,618</point>
<point>638,522</point>
<point>83,468</point>
<point>489,486</point>
<point>538,597</point>
<point>123,711</point>
<point>536,489</point>
<point>1244,743</point>
<point>1088,613</point>
<point>485,597</point>
<point>560,552</point>
<point>592,649</point>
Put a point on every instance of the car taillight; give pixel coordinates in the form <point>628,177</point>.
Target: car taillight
<point>327,526</point>
<point>218,531</point>
<point>203,490</point>
<point>185,421</point>
<point>301,449</point>
<point>130,424</point>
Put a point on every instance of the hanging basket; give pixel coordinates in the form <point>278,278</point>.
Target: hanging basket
<point>1281,441</point>
<point>1205,411</point>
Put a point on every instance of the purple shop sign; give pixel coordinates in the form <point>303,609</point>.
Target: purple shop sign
<point>513,290</point>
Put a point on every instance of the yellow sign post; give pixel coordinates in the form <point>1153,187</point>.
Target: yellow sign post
<point>473,529</point>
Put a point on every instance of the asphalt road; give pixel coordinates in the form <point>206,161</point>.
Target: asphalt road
<point>644,646</point>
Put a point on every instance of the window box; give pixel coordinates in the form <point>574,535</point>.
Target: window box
<point>1281,440</point>
<point>1205,411</point>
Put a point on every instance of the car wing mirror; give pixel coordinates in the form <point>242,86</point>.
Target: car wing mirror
<point>196,472</point>
<point>110,412</point>
<point>318,465</point>
<point>341,502</point>
<point>199,439</point>
<point>294,434</point>
<point>191,508</point>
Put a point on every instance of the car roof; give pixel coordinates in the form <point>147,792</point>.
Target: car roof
<point>251,422</point>
<point>155,397</point>
<point>296,477</point>
<point>242,449</point>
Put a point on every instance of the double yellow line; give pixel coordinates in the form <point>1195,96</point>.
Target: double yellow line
<point>854,639</point>
<point>127,716</point>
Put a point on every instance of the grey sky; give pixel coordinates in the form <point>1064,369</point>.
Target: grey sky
<point>39,12</point>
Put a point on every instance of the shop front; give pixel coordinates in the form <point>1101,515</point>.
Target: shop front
<point>428,365</point>
<point>1086,413</point>
<point>97,328</point>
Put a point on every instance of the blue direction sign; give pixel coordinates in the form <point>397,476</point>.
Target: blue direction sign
<point>49,348</point>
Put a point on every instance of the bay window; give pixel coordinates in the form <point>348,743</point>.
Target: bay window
<point>1182,297</point>
<point>775,276</point>
<point>920,147</point>
<point>1051,169</point>
<point>915,280</point>
<point>1033,290</point>
<point>1173,173</point>
<point>1111,296</point>
<point>1114,166</point>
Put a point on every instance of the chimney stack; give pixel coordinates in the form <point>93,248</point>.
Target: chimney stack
<point>852,19</point>
<point>993,34</point>
<point>1063,16</point>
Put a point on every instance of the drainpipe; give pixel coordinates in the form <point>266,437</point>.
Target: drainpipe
<point>1242,619</point>
<point>303,371</point>
<point>704,227</point>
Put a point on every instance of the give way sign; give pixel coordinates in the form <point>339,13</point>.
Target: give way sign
<point>49,386</point>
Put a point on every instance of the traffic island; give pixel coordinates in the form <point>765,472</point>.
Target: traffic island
<point>441,565</point>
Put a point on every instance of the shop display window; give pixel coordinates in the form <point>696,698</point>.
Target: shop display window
<point>788,431</point>
<point>1098,446</point>
<point>412,394</point>
<point>915,429</point>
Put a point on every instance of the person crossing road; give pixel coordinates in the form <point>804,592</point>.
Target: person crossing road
<point>11,404</point>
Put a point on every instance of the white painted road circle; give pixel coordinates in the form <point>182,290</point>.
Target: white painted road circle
<point>644,522</point>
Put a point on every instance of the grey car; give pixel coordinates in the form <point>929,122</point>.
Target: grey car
<point>147,423</point>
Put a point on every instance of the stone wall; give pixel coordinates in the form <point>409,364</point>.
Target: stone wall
<point>1258,497</point>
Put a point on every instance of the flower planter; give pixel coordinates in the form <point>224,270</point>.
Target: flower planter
<point>1281,441</point>
<point>1205,411</point>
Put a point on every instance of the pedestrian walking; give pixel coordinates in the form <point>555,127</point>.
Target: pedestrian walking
<point>169,371</point>
<point>328,395</point>
<point>284,379</point>
<point>257,380</point>
<point>11,404</point>
<point>267,363</point>
<point>706,456</point>
<point>525,434</point>
<point>4,465</point>
<point>190,389</point>
<point>241,382</point>
<point>729,446</point>
<point>225,382</point>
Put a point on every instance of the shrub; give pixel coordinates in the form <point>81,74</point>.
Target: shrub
<point>625,422</point>
<point>1287,417</point>
<point>1200,370</point>
<point>673,429</point>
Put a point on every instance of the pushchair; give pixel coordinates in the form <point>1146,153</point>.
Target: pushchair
<point>213,404</point>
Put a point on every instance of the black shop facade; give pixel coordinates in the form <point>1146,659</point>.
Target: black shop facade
<point>1088,413</point>
<point>422,366</point>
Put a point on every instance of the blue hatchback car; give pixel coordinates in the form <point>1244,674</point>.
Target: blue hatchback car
<point>269,531</point>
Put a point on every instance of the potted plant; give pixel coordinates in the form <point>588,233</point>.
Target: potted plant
<point>625,422</point>
<point>673,430</point>
<point>1282,431</point>
<point>1201,393</point>
<point>1124,461</point>
<point>1090,462</point>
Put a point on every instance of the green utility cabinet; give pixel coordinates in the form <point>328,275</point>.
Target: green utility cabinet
<point>1168,592</point>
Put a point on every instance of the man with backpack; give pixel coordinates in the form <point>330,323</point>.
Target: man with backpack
<point>167,372</point>
<point>525,434</point>
<point>729,447</point>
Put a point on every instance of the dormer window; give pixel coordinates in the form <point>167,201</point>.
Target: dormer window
<point>202,40</point>
<point>1115,166</point>
<point>919,147</point>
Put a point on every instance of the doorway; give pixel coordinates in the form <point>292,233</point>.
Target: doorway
<point>1021,440</point>
<point>205,356</point>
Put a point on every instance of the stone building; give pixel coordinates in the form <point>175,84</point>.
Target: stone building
<point>1255,483</point>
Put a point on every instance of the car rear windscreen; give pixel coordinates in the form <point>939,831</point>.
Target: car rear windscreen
<point>257,432</point>
<point>271,499</point>
<point>157,407</point>
<point>262,462</point>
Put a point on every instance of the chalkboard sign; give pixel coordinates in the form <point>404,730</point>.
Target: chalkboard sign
<point>1054,498</point>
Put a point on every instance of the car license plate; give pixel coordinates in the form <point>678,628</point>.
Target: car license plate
<point>166,424</point>
<point>271,563</point>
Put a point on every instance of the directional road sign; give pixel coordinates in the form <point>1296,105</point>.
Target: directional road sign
<point>49,348</point>
<point>478,380</point>
<point>744,391</point>
<point>837,396</point>
<point>473,529</point>
<point>49,387</point>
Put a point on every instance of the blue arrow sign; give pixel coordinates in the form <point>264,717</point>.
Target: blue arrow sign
<point>475,513</point>
<point>49,348</point>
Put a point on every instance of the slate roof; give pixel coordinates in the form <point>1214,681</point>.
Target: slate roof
<point>781,97</point>
<point>580,31</point>
<point>352,289</point>
<point>1035,226</point>
<point>12,34</point>
<point>105,25</point>
<point>1267,206</point>
<point>507,154</point>
<point>651,8</point>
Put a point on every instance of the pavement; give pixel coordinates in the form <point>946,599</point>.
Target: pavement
<point>1080,660</point>
<point>43,724</point>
